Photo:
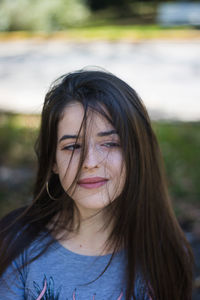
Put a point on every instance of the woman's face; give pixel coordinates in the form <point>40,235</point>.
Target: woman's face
<point>103,172</point>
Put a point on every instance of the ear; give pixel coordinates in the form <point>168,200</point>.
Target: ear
<point>55,168</point>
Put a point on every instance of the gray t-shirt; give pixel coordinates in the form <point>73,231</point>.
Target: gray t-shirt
<point>60,274</point>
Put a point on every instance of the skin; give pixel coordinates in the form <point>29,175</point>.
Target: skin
<point>103,159</point>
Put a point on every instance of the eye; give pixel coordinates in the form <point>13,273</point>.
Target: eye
<point>111,144</point>
<point>72,147</point>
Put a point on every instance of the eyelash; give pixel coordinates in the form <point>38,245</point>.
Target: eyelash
<point>78,146</point>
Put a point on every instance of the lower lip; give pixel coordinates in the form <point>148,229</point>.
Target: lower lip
<point>92,185</point>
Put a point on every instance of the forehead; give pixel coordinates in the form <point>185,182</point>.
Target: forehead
<point>73,116</point>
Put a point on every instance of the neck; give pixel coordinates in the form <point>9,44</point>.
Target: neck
<point>91,236</point>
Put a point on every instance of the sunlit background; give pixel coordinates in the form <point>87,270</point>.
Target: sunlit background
<point>152,45</point>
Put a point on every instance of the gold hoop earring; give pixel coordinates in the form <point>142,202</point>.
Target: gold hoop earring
<point>47,189</point>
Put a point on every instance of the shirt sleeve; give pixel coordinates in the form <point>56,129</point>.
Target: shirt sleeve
<point>12,283</point>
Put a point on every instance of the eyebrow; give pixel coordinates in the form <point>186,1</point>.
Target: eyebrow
<point>73,136</point>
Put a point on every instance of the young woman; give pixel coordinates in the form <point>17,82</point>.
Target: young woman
<point>100,225</point>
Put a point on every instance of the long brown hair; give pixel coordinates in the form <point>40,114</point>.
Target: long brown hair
<point>143,218</point>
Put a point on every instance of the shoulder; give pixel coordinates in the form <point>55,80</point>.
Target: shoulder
<point>10,227</point>
<point>17,234</point>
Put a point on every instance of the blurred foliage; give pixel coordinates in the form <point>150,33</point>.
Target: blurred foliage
<point>41,15</point>
<point>17,136</point>
<point>180,146</point>
<point>55,15</point>
<point>179,142</point>
<point>102,31</point>
<point>125,10</point>
<point>61,15</point>
<point>125,4</point>
<point>17,159</point>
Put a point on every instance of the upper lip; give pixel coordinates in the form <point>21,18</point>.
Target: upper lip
<point>92,180</point>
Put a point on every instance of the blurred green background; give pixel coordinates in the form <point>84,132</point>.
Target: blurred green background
<point>113,19</point>
<point>56,15</point>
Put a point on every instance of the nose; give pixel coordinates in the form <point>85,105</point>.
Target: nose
<point>92,158</point>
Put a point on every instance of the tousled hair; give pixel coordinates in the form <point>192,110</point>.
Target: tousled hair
<point>143,219</point>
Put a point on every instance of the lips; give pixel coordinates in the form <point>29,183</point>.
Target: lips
<point>92,182</point>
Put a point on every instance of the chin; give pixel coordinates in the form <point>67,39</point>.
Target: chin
<point>92,204</point>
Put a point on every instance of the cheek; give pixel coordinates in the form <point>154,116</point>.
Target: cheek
<point>118,172</point>
<point>66,170</point>
<point>115,161</point>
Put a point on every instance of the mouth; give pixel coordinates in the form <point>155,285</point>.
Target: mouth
<point>91,183</point>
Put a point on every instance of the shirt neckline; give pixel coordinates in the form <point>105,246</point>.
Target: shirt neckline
<point>67,252</point>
